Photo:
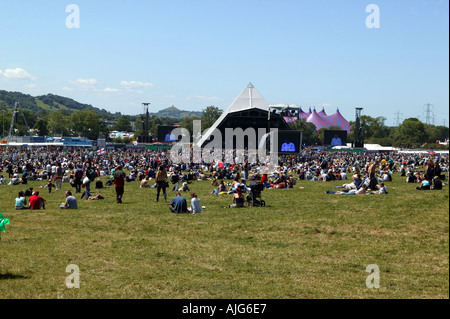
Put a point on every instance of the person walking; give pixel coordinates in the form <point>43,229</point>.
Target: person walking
<point>119,183</point>
<point>59,176</point>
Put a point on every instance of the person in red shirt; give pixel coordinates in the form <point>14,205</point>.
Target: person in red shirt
<point>36,201</point>
<point>119,183</point>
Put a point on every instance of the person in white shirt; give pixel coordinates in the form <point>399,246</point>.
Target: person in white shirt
<point>196,207</point>
<point>382,189</point>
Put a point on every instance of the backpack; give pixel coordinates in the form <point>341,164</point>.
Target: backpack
<point>99,185</point>
<point>92,175</point>
<point>79,174</point>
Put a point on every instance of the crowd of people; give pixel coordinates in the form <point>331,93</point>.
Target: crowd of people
<point>84,169</point>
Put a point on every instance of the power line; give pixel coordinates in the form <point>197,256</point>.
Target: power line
<point>397,118</point>
<point>429,115</point>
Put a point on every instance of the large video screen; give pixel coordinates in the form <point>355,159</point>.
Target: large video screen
<point>335,138</point>
<point>165,133</point>
<point>289,142</point>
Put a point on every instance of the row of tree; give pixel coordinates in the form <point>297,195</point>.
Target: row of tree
<point>412,133</point>
<point>88,123</point>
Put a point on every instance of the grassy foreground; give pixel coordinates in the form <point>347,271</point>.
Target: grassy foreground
<point>304,244</point>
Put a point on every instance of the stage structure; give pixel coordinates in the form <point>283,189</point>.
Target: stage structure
<point>359,141</point>
<point>248,110</point>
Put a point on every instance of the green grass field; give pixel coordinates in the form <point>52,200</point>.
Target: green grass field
<point>304,244</point>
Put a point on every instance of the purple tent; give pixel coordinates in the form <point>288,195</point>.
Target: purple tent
<point>338,120</point>
<point>322,113</point>
<point>302,114</point>
<point>308,113</point>
<point>318,121</point>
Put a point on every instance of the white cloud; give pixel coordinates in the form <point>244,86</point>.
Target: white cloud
<point>135,84</point>
<point>211,98</point>
<point>16,74</point>
<point>84,83</point>
<point>111,90</point>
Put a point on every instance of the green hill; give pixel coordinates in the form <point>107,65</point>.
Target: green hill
<point>177,113</point>
<point>44,104</point>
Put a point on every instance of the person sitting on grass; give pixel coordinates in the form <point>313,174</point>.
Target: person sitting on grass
<point>382,189</point>
<point>144,183</point>
<point>234,185</point>
<point>178,204</point>
<point>425,185</point>
<point>15,180</point>
<point>28,192</point>
<point>70,203</point>
<point>386,177</point>
<point>185,187</point>
<point>221,190</point>
<point>36,201</point>
<point>437,183</point>
<point>238,199</point>
<point>21,201</point>
<point>411,177</point>
<point>196,207</point>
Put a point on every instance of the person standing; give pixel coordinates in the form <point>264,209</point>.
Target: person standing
<point>372,179</point>
<point>161,183</point>
<point>78,179</point>
<point>246,168</point>
<point>119,183</point>
<point>59,176</point>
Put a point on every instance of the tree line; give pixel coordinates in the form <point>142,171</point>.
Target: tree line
<point>411,133</point>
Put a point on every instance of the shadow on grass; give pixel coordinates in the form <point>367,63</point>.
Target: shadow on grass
<point>12,276</point>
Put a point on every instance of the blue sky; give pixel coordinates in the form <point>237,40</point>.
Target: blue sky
<point>196,53</point>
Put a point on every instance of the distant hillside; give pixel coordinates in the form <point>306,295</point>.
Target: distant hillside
<point>44,104</point>
<point>177,113</point>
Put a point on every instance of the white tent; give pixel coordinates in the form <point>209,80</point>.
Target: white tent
<point>249,98</point>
